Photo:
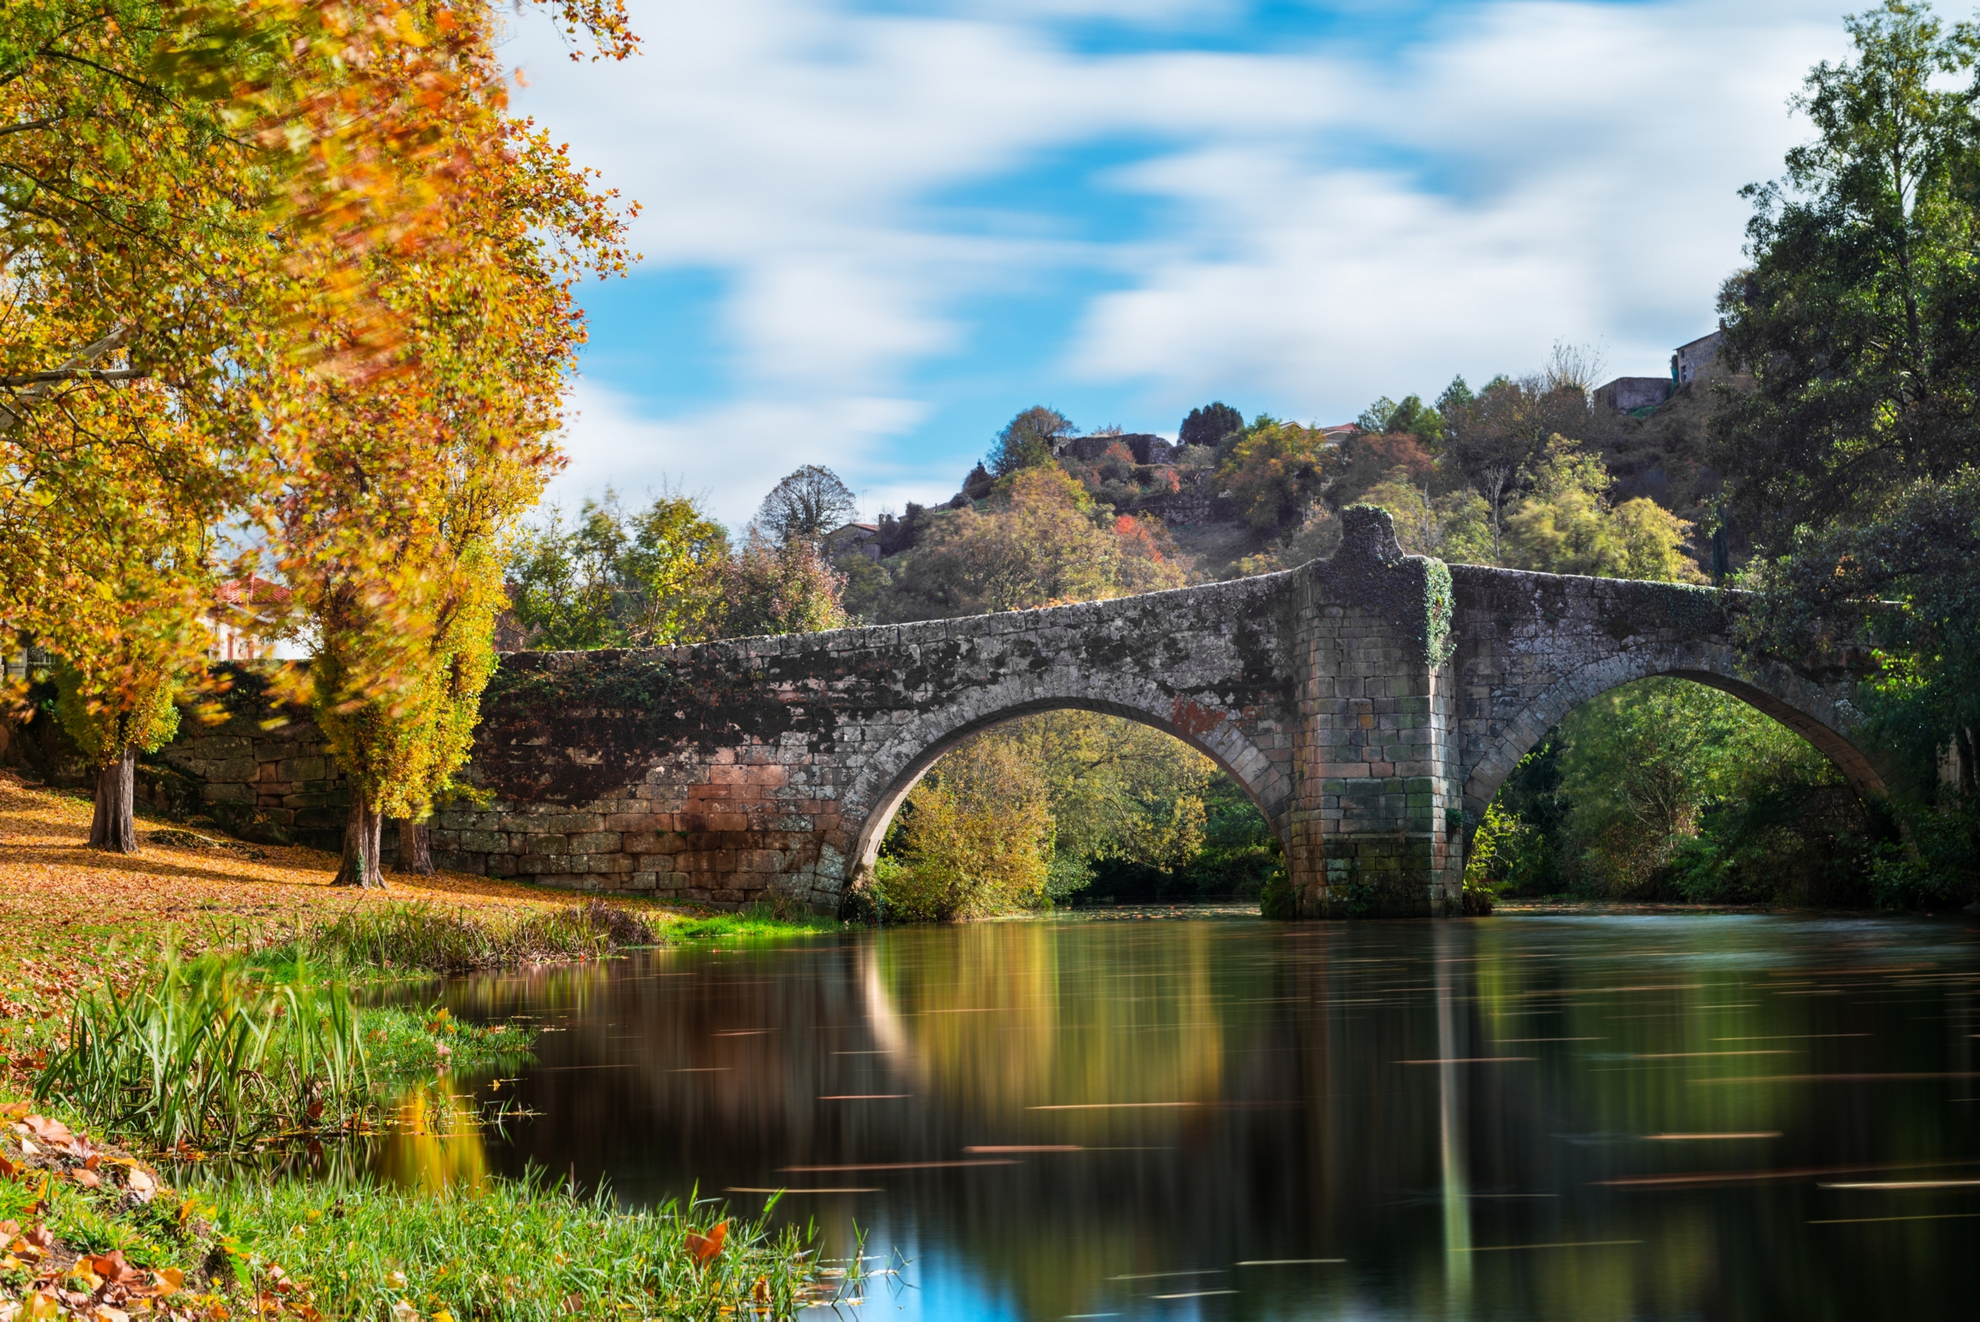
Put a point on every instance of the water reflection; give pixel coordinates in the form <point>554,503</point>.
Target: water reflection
<point>1532,1118</point>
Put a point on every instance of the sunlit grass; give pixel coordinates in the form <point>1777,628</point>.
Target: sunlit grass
<point>523,1249</point>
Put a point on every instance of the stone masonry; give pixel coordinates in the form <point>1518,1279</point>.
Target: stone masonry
<point>1369,704</point>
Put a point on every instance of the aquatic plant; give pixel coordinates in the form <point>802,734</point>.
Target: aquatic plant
<point>210,1055</point>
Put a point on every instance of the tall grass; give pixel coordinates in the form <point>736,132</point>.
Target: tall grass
<point>516,1250</point>
<point>429,938</point>
<point>213,1056</point>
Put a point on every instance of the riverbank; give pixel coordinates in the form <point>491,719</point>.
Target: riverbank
<point>69,914</point>
<point>86,1223</point>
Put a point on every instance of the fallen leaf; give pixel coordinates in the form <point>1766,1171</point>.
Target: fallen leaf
<point>141,1184</point>
<point>88,1179</point>
<point>704,1247</point>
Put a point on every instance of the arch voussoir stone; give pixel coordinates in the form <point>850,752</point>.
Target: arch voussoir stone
<point>1370,704</point>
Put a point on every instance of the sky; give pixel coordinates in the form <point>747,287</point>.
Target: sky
<point>871,231</point>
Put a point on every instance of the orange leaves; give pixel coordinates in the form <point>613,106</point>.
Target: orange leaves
<point>704,1248</point>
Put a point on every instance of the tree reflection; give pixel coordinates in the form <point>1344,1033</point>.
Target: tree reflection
<point>1185,1097</point>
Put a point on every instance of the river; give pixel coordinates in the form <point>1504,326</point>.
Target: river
<point>1684,1116</point>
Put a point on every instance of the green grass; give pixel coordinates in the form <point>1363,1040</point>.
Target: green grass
<point>349,1249</point>
<point>222,1052</point>
<point>513,1250</point>
<point>211,1055</point>
<point>758,921</point>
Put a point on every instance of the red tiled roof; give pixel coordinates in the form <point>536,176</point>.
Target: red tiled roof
<point>250,590</point>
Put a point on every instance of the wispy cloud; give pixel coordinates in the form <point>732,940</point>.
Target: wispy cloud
<point>1313,223</point>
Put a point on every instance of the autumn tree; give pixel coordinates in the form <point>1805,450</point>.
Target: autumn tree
<point>1567,525</point>
<point>1049,542</point>
<point>402,489</point>
<point>1272,471</point>
<point>163,168</point>
<point>975,838</point>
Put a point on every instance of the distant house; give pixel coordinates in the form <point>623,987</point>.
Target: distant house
<point>1336,434</point>
<point>242,617</point>
<point>1626,394</point>
<point>854,538</point>
<point>1697,359</point>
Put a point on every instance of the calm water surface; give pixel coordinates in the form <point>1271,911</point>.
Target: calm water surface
<point>1524,1117</point>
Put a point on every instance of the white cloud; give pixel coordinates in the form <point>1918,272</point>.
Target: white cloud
<point>1336,225</point>
<point>731,455</point>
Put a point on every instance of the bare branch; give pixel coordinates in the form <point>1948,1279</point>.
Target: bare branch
<point>74,374</point>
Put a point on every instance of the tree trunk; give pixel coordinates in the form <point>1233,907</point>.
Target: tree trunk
<point>362,864</point>
<point>113,827</point>
<point>415,848</point>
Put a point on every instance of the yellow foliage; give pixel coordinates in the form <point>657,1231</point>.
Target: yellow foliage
<point>977,838</point>
<point>1272,471</point>
<point>1566,525</point>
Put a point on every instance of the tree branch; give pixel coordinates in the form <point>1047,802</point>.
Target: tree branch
<point>73,374</point>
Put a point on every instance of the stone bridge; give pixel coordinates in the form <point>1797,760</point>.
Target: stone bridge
<point>1369,704</point>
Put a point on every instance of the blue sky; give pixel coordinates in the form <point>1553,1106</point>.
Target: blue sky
<point>872,232</point>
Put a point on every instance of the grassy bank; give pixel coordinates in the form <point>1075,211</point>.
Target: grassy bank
<point>198,998</point>
<point>86,1228</point>
<point>71,916</point>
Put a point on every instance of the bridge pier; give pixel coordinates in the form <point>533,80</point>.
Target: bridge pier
<point>1373,811</point>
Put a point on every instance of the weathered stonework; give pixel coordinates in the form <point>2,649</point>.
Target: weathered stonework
<point>1370,705</point>
<point>264,774</point>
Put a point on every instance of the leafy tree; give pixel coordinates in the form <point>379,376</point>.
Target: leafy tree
<point>1029,440</point>
<point>1498,438</point>
<point>1118,789</point>
<point>1860,315</point>
<point>1210,425</point>
<point>1456,398</point>
<point>401,488</point>
<point>150,154</point>
<point>111,725</point>
<point>618,580</point>
<point>974,838</point>
<point>1411,417</point>
<point>1850,461</point>
<point>806,505</point>
<point>1048,543</point>
<point>1642,764</point>
<point>771,589</point>
<point>1567,526</point>
<point>1350,468</point>
<point>1272,471</point>
<point>1454,527</point>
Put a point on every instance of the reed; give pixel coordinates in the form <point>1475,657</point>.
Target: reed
<point>428,938</point>
<point>211,1055</point>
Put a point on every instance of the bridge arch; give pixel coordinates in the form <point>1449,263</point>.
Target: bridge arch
<point>1812,710</point>
<point>870,803</point>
